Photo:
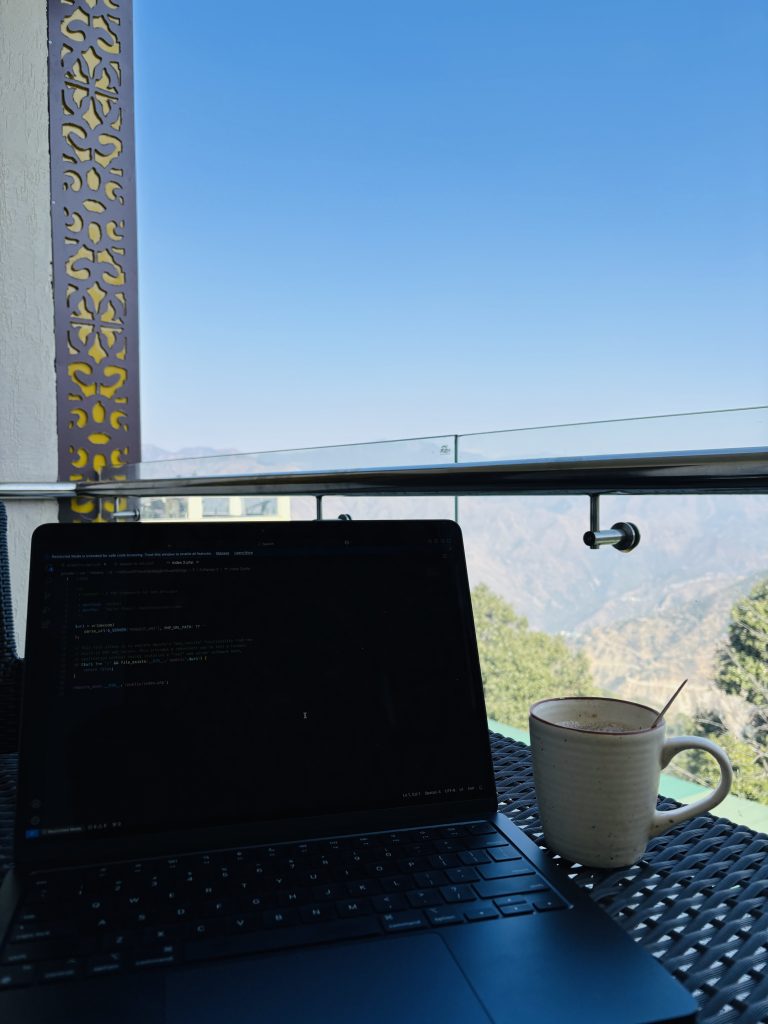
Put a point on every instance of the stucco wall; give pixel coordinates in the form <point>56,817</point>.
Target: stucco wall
<point>28,444</point>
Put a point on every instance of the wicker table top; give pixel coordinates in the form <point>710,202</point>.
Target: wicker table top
<point>698,900</point>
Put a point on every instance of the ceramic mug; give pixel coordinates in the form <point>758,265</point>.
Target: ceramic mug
<point>596,768</point>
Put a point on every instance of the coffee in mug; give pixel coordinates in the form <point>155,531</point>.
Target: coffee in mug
<point>596,768</point>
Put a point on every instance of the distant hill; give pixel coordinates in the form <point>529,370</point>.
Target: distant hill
<point>531,551</point>
<point>644,658</point>
<point>152,453</point>
<point>646,620</point>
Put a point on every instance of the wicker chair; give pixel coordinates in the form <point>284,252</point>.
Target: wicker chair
<point>10,664</point>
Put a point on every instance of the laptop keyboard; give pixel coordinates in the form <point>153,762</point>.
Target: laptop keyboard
<point>164,911</point>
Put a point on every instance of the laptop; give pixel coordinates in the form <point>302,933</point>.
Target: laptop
<point>255,784</point>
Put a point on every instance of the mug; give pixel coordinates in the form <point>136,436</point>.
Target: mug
<point>596,768</point>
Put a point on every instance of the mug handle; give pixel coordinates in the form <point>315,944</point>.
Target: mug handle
<point>663,820</point>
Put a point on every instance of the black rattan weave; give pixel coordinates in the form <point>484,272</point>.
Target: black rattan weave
<point>698,900</point>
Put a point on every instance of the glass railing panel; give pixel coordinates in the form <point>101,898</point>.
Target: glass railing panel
<point>555,617</point>
<point>409,452</point>
<point>735,428</point>
<point>696,432</point>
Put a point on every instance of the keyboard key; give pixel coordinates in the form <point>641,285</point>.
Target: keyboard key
<point>13,975</point>
<point>383,868</point>
<point>448,831</point>
<point>444,860</point>
<point>483,842</point>
<point>34,932</point>
<point>33,952</point>
<point>482,828</point>
<point>18,955</point>
<point>60,970</point>
<point>504,869</point>
<point>153,936</point>
<point>439,916</point>
<point>114,940</point>
<point>505,853</point>
<point>217,908</point>
<point>548,901</point>
<point>277,918</point>
<point>513,901</point>
<point>199,929</point>
<point>388,902</point>
<point>430,879</point>
<point>510,886</point>
<point>331,891</point>
<point>448,845</point>
<point>398,883</point>
<point>481,912</point>
<point>404,921</point>
<point>424,898</point>
<point>353,907</point>
<point>462,874</point>
<point>364,887</point>
<point>474,857</point>
<point>457,893</point>
<point>514,909</point>
<point>163,958</point>
<point>292,897</point>
<point>410,864</point>
<point>108,963</point>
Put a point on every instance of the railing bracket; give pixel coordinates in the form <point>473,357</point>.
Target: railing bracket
<point>622,536</point>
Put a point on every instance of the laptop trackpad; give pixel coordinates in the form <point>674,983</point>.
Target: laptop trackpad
<point>412,978</point>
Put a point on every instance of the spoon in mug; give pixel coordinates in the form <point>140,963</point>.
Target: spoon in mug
<point>668,704</point>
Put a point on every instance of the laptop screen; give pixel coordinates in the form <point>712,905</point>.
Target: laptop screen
<point>182,676</point>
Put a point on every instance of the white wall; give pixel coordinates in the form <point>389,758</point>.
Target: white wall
<point>28,441</point>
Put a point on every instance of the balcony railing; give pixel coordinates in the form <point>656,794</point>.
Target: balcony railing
<point>720,452</point>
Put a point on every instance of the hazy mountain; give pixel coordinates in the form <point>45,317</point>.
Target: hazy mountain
<point>531,551</point>
<point>644,658</point>
<point>152,453</point>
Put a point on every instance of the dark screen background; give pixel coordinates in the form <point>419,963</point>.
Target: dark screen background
<point>225,674</point>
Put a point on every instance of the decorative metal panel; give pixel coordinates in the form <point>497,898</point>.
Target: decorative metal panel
<point>94,241</point>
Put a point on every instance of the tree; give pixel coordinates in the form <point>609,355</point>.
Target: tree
<point>743,667</point>
<point>519,665</point>
<point>742,670</point>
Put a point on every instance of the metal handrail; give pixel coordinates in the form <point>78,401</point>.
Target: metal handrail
<point>36,491</point>
<point>729,470</point>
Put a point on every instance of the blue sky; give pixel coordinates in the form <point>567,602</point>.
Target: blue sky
<point>381,219</point>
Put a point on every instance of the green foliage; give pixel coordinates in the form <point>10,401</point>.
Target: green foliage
<point>743,671</point>
<point>743,660</point>
<point>750,762</point>
<point>750,768</point>
<point>519,665</point>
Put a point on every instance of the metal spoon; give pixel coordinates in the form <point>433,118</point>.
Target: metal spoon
<point>668,704</point>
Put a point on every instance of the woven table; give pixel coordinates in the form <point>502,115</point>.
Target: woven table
<point>698,900</point>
